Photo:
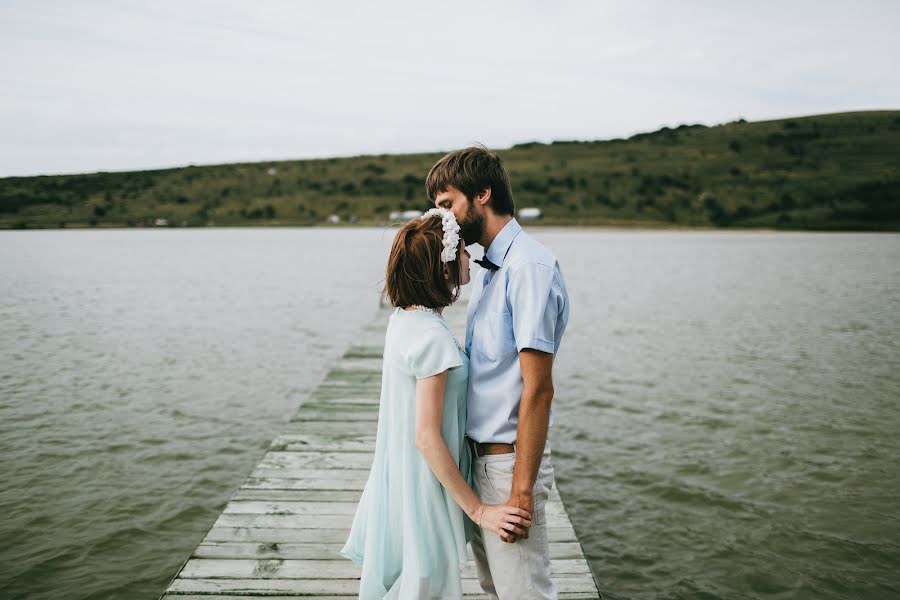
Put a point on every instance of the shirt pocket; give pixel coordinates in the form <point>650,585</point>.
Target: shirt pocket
<point>497,340</point>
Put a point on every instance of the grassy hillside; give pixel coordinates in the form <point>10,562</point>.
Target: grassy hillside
<point>835,171</point>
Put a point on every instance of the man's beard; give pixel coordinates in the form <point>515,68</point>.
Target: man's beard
<point>471,227</point>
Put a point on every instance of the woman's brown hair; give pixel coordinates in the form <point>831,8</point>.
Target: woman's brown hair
<point>415,273</point>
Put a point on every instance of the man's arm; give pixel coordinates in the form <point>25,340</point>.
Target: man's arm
<point>534,423</point>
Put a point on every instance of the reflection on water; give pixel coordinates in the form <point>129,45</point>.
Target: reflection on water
<point>726,402</point>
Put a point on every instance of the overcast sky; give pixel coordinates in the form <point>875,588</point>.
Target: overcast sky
<point>119,85</point>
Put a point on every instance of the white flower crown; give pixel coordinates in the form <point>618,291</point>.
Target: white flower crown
<point>451,232</point>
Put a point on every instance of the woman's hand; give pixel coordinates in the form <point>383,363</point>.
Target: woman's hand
<point>509,522</point>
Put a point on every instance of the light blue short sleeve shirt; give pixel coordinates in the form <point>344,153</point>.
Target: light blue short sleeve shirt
<point>523,304</point>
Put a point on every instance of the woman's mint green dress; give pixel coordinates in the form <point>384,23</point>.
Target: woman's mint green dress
<point>408,533</point>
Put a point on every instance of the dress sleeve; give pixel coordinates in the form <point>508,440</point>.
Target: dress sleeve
<point>433,351</point>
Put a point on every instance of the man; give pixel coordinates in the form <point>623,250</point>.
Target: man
<point>516,318</point>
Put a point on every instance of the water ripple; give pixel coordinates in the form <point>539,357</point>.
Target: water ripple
<point>726,407</point>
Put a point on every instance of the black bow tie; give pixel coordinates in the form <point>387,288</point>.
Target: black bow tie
<point>485,263</point>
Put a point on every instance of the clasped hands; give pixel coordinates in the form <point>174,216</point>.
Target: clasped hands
<point>510,521</point>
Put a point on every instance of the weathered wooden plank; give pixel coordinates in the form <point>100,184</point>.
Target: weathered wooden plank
<point>350,374</point>
<point>368,364</point>
<point>325,551</point>
<point>344,395</point>
<point>344,383</point>
<point>311,587</point>
<point>467,596</point>
<point>554,511</point>
<point>342,474</point>
<point>279,483</point>
<point>317,459</point>
<point>333,390</point>
<point>180,596</point>
<point>270,568</point>
<point>368,416</point>
<point>335,430</point>
<point>339,406</point>
<point>319,443</point>
<point>330,392</point>
<point>328,425</point>
<point>255,507</point>
<point>283,521</point>
<point>202,568</point>
<point>297,495</point>
<point>265,587</point>
<point>272,483</point>
<point>278,535</point>
<point>312,550</point>
<point>371,352</point>
<point>371,400</point>
<point>358,476</point>
<point>326,521</point>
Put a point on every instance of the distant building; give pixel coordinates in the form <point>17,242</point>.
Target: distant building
<point>161,222</point>
<point>404,215</point>
<point>333,219</point>
<point>530,214</point>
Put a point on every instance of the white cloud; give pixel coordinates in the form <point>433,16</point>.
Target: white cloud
<point>126,85</point>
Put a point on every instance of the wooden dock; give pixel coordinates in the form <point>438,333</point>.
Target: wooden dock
<point>280,534</point>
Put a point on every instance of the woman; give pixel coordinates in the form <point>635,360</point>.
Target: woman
<point>418,510</point>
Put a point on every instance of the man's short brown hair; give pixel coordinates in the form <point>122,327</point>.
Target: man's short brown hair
<point>472,170</point>
<point>415,273</point>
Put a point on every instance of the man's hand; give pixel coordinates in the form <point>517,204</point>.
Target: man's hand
<point>508,522</point>
<point>525,502</point>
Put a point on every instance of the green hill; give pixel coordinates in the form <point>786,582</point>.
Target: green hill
<point>836,171</point>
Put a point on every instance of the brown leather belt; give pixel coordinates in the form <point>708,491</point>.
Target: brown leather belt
<point>486,448</point>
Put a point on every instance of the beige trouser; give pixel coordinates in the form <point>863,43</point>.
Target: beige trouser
<point>518,571</point>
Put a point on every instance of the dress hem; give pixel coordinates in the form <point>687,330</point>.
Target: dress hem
<point>357,558</point>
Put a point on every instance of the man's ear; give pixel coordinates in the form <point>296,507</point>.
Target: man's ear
<point>484,197</point>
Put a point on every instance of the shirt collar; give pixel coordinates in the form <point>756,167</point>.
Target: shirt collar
<point>498,249</point>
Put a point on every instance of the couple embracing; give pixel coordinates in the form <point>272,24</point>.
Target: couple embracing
<point>462,452</point>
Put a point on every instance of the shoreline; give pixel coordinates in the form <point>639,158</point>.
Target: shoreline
<point>619,226</point>
<point>832,172</point>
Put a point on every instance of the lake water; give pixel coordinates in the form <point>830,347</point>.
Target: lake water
<point>727,403</point>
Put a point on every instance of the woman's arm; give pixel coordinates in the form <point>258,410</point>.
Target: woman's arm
<point>430,443</point>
